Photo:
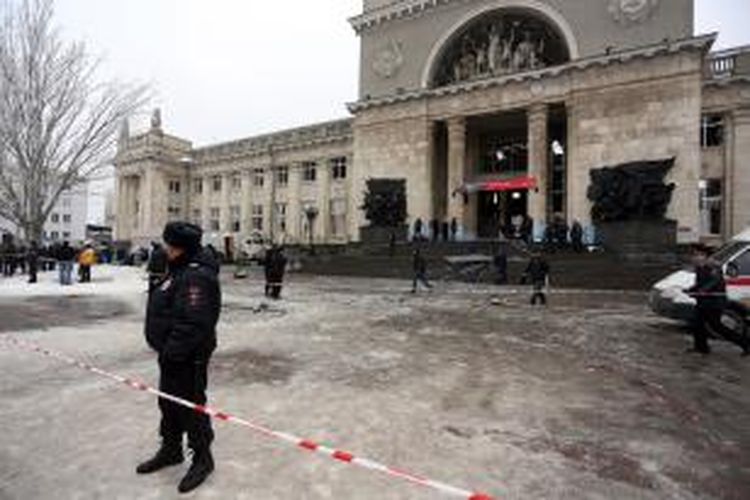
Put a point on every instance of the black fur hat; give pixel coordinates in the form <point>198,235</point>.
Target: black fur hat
<point>183,235</point>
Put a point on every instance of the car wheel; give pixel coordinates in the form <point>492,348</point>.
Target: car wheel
<point>735,321</point>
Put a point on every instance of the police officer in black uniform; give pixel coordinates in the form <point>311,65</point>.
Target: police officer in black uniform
<point>710,293</point>
<point>181,326</point>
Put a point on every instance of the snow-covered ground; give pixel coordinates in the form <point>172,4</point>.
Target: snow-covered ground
<point>592,398</point>
<point>106,280</point>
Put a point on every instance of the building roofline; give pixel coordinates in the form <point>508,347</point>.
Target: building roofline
<point>703,42</point>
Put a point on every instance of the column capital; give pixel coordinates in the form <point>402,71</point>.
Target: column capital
<point>456,123</point>
<point>741,116</point>
<point>538,111</point>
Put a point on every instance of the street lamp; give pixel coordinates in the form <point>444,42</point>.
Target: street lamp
<point>311,213</point>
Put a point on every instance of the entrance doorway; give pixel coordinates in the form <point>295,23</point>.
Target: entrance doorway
<point>501,211</point>
<point>498,149</point>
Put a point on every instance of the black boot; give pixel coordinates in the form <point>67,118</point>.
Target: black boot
<point>202,467</point>
<point>166,456</point>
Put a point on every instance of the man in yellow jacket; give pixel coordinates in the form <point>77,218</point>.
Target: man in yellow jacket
<point>86,259</point>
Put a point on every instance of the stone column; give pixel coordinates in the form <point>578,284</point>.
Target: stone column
<point>323,224</point>
<point>538,165</point>
<point>226,188</point>
<point>293,205</point>
<point>204,203</point>
<point>740,186</point>
<point>246,204</point>
<point>456,172</point>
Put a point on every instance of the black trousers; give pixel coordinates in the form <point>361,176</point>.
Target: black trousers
<point>187,380</point>
<point>85,272</point>
<point>538,295</point>
<point>710,317</point>
<point>32,272</point>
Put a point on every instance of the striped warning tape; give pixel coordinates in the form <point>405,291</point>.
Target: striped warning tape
<point>305,444</point>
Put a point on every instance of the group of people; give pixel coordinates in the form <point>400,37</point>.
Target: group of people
<point>438,231</point>
<point>34,258</point>
<point>558,236</point>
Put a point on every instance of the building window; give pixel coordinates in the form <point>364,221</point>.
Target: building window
<point>214,223</point>
<point>282,176</point>
<point>742,264</point>
<point>66,235</point>
<point>174,187</point>
<point>198,186</point>
<point>711,202</point>
<point>67,218</point>
<point>281,217</point>
<point>234,216</point>
<point>197,217</point>
<point>304,221</point>
<point>236,182</point>
<point>338,168</point>
<point>712,131</point>
<point>309,171</point>
<point>338,218</point>
<point>257,218</point>
<point>173,213</point>
<point>54,235</point>
<point>259,177</point>
<point>216,183</point>
<point>54,218</point>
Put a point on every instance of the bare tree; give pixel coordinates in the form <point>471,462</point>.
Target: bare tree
<point>58,123</point>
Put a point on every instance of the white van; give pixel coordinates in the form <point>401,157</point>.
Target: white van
<point>668,297</point>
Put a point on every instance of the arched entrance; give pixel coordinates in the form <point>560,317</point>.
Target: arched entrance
<point>508,37</point>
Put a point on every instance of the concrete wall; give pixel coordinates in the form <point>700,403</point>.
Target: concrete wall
<point>590,25</point>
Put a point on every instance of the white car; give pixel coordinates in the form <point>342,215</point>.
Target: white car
<point>668,297</point>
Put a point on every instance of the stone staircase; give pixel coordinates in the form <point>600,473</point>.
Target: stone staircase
<point>598,270</point>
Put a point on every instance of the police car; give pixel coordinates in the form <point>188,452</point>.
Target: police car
<point>669,299</point>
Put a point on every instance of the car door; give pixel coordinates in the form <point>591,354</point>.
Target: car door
<point>738,277</point>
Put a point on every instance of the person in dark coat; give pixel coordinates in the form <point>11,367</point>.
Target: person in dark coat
<point>181,327</point>
<point>527,230</point>
<point>500,262</point>
<point>576,236</point>
<point>446,229</point>
<point>454,229</point>
<point>537,274</point>
<point>32,258</point>
<point>419,265</point>
<point>277,269</point>
<point>418,226</point>
<point>66,256</point>
<point>157,266</point>
<point>710,293</point>
<point>435,230</point>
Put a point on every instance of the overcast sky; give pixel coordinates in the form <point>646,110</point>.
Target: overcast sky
<point>227,69</point>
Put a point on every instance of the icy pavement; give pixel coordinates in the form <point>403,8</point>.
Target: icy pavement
<point>592,398</point>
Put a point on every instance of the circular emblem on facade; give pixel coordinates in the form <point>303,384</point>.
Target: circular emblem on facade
<point>388,59</point>
<point>632,11</point>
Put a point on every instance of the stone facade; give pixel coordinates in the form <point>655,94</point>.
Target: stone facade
<point>629,82</point>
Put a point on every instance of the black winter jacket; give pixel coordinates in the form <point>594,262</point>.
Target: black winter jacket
<point>183,311</point>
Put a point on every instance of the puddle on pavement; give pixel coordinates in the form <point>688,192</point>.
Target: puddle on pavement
<point>46,312</point>
<point>251,367</point>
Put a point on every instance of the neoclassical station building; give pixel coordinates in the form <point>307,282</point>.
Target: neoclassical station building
<point>489,110</point>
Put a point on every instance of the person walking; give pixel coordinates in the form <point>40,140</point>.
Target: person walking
<point>537,273</point>
<point>32,259</point>
<point>710,293</point>
<point>419,265</point>
<point>576,236</point>
<point>276,274</point>
<point>65,257</point>
<point>181,327</point>
<point>86,259</point>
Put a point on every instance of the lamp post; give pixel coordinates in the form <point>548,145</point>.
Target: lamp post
<point>311,213</point>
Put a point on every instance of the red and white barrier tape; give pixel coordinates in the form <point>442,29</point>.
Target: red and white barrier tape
<point>305,444</point>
